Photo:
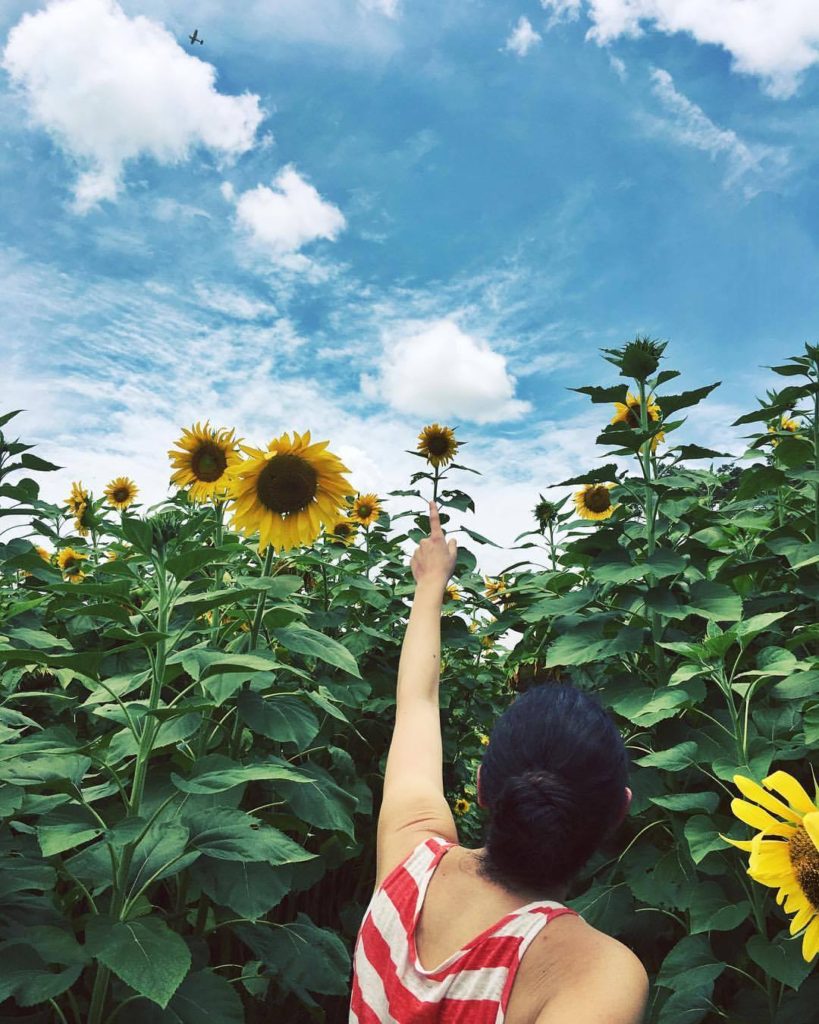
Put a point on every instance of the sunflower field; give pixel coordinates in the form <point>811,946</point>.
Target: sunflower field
<point>196,701</point>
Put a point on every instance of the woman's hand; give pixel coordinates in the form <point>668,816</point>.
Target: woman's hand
<point>434,559</point>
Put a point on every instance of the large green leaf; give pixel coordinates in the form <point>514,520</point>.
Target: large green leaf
<point>302,956</point>
<point>714,601</point>
<point>227,833</point>
<point>674,759</point>
<point>781,959</point>
<point>303,640</point>
<point>712,910</point>
<point>278,716</point>
<point>144,953</point>
<point>221,779</point>
<point>322,803</point>
<point>690,964</point>
<point>577,649</point>
<point>250,890</point>
<point>703,837</point>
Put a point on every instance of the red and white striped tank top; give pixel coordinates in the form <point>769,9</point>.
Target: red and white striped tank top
<point>473,985</point>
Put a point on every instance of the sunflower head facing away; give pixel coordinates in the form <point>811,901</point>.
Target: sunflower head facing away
<point>784,854</point>
<point>121,492</point>
<point>70,561</point>
<point>343,530</point>
<point>786,423</point>
<point>203,459</point>
<point>545,512</point>
<point>628,412</point>
<point>77,499</point>
<point>594,501</point>
<point>366,509</point>
<point>288,492</point>
<point>438,445</point>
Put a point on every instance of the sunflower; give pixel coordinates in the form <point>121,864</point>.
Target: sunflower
<point>785,423</point>
<point>474,626</point>
<point>462,805</point>
<point>451,593</point>
<point>288,492</point>
<point>494,588</point>
<point>438,445</point>
<point>77,499</point>
<point>204,463</point>
<point>545,512</point>
<point>343,530</point>
<point>366,509</point>
<point>70,561</point>
<point>84,520</point>
<point>484,739</point>
<point>121,492</point>
<point>594,501</point>
<point>789,861</point>
<point>44,553</point>
<point>487,642</point>
<point>629,413</point>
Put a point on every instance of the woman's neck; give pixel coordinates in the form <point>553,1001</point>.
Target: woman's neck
<point>471,863</point>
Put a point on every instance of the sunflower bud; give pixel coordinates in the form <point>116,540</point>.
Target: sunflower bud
<point>164,528</point>
<point>639,359</point>
<point>545,512</point>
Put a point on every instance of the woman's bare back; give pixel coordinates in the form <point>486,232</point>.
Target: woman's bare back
<point>555,970</point>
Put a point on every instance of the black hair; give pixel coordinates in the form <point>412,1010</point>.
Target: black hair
<point>553,780</point>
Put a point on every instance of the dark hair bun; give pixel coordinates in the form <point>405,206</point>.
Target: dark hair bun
<point>553,781</point>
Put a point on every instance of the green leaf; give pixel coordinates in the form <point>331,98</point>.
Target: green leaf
<point>674,759</point>
<point>781,959</point>
<point>160,854</point>
<point>604,396</point>
<point>688,1006</point>
<point>302,956</point>
<point>248,889</point>
<point>603,474</point>
<point>645,706</point>
<point>695,451</point>
<point>280,717</point>
<point>578,649</point>
<point>144,953</point>
<point>703,837</point>
<point>221,779</point>
<point>205,996</point>
<point>714,601</point>
<point>226,833</point>
<point>673,403</point>
<point>322,803</point>
<point>758,480</point>
<point>29,461</point>
<point>704,801</point>
<point>711,909</point>
<point>308,641</point>
<point>66,828</point>
<point>689,965</point>
<point>797,685</point>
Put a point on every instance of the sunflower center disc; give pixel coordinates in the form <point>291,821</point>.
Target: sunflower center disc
<point>121,494</point>
<point>598,499</point>
<point>208,462</point>
<point>364,511</point>
<point>437,444</point>
<point>287,484</point>
<point>805,862</point>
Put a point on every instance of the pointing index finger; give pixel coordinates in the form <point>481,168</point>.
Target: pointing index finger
<point>434,519</point>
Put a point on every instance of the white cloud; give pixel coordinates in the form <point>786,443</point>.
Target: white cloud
<point>776,40</point>
<point>753,166</point>
<point>562,10</point>
<point>522,38</point>
<point>233,303</point>
<point>109,88</point>
<point>282,219</point>
<point>618,66</point>
<point>436,369</point>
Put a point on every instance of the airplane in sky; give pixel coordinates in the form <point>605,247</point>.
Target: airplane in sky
<point>195,37</point>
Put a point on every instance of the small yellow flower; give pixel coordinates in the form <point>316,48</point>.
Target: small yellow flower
<point>121,492</point>
<point>70,561</point>
<point>484,739</point>
<point>77,499</point>
<point>487,642</point>
<point>203,460</point>
<point>451,593</point>
<point>629,413</point>
<point>111,555</point>
<point>366,509</point>
<point>343,530</point>
<point>494,588</point>
<point>785,423</point>
<point>789,859</point>
<point>594,501</point>
<point>474,626</point>
<point>462,805</point>
<point>438,444</point>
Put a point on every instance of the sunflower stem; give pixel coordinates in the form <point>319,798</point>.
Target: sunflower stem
<point>260,601</point>
<point>219,512</point>
<point>326,598</point>
<point>649,512</point>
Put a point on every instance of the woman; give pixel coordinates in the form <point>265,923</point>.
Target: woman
<point>444,936</point>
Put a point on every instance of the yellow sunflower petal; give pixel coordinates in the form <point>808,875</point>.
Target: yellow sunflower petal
<point>742,844</point>
<point>755,792</point>
<point>786,785</point>
<point>811,825</point>
<point>810,940</point>
<point>802,917</point>
<point>756,817</point>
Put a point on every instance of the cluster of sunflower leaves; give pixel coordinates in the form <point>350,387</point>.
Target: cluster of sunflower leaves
<point>193,750</point>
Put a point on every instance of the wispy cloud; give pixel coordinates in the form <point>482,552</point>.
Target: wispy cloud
<point>776,41</point>
<point>751,166</point>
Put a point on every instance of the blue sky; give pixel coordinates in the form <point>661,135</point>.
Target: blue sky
<point>355,217</point>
